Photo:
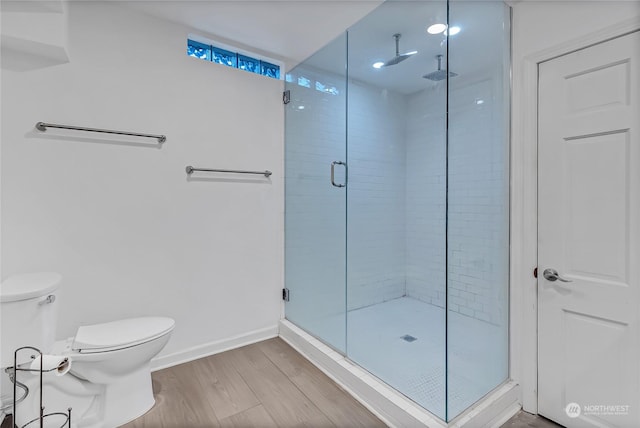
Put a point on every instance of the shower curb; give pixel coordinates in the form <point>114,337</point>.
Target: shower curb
<point>393,408</point>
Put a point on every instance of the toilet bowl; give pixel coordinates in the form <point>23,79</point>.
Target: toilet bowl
<point>109,381</point>
<point>117,355</point>
<point>107,351</point>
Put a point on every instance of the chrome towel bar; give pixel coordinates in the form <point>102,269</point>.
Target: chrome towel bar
<point>42,126</point>
<point>191,170</point>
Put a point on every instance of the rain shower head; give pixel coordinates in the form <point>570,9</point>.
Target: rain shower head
<point>439,74</point>
<point>398,58</point>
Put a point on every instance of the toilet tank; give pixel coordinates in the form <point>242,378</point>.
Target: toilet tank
<point>28,314</point>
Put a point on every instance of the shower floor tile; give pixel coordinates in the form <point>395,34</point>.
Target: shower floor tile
<point>477,352</point>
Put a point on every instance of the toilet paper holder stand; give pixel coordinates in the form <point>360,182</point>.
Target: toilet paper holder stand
<point>40,371</point>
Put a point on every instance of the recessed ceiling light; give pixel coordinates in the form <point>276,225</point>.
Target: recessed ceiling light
<point>300,107</point>
<point>452,31</point>
<point>378,64</point>
<point>436,28</point>
<point>479,101</point>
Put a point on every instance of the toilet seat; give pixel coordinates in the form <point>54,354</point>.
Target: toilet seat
<point>115,335</point>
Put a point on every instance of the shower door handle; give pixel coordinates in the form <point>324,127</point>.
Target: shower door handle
<point>333,171</point>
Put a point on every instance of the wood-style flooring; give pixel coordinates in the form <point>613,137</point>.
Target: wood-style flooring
<point>267,384</point>
<point>527,420</point>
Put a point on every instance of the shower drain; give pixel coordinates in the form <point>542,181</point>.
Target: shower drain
<point>408,338</point>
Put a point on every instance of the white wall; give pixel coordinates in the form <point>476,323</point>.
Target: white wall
<point>575,24</point>
<point>118,217</point>
<point>569,20</point>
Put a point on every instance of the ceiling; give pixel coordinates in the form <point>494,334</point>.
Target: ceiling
<point>296,30</point>
<point>286,30</point>
<point>475,51</point>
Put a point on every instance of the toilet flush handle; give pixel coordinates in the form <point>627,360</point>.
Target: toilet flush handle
<point>49,299</point>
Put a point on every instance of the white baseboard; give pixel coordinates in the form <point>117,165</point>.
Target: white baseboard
<point>211,348</point>
<point>393,408</point>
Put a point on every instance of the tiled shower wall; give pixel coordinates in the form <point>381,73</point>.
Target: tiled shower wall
<point>396,227</point>
<point>477,192</point>
<point>315,221</point>
<point>478,201</point>
<point>376,209</point>
<point>376,250</point>
<point>426,193</point>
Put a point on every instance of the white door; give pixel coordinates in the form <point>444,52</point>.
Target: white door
<point>589,232</point>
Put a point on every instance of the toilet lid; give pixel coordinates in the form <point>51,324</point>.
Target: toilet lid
<point>111,336</point>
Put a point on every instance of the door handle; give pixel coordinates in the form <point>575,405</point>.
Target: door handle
<point>333,171</point>
<point>553,275</point>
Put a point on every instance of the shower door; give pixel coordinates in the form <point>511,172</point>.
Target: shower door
<point>316,175</point>
<point>396,217</point>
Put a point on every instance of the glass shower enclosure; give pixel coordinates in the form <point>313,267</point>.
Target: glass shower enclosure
<point>397,198</point>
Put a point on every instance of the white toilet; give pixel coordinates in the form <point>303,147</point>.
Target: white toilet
<point>109,382</point>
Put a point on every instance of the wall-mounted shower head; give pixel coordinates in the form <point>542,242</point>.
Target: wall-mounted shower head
<point>439,74</point>
<point>398,58</point>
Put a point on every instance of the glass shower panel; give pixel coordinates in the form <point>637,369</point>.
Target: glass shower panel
<point>478,202</point>
<point>315,229</point>
<point>396,140</point>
